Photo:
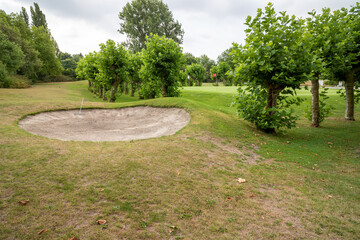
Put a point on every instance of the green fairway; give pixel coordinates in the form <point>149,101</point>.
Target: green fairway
<point>303,183</point>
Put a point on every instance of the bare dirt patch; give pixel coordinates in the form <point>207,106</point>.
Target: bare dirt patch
<point>98,125</point>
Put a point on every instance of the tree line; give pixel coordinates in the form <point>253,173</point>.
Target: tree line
<point>281,52</point>
<point>28,51</point>
<point>150,63</point>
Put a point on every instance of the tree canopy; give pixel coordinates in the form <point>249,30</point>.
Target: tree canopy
<point>140,18</point>
<point>274,58</point>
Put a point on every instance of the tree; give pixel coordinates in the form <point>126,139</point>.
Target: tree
<point>37,16</point>
<point>44,45</point>
<point>134,72</point>
<point>226,57</point>
<point>213,72</point>
<point>69,63</point>
<point>113,63</point>
<point>222,69</point>
<point>343,54</point>
<point>163,60</point>
<point>190,59</point>
<point>207,63</point>
<point>274,61</point>
<point>197,72</point>
<point>11,56</point>
<point>316,37</point>
<point>25,16</point>
<point>140,18</point>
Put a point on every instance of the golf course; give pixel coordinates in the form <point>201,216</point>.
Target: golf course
<point>216,178</point>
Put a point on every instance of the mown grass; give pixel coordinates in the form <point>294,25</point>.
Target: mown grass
<point>300,184</point>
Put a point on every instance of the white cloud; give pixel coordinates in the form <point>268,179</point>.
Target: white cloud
<point>210,25</point>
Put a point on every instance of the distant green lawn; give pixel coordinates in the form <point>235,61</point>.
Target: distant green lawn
<point>303,183</point>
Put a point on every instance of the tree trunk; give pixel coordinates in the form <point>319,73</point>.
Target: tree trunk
<point>216,80</point>
<point>164,91</point>
<point>315,101</point>
<point>272,95</point>
<point>104,95</point>
<point>113,91</point>
<point>126,90</point>
<point>133,89</point>
<point>100,91</point>
<point>349,88</point>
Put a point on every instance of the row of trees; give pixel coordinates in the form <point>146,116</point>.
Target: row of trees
<point>154,71</point>
<point>29,53</point>
<point>281,52</point>
<point>27,47</point>
<point>151,66</point>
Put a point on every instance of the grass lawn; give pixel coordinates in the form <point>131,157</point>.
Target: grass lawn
<point>300,184</point>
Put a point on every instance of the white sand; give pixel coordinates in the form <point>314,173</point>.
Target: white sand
<point>98,125</point>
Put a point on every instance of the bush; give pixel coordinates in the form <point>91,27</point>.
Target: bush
<point>251,105</point>
<point>19,81</point>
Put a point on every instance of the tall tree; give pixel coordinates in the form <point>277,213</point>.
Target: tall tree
<point>343,51</point>
<point>44,45</point>
<point>207,63</point>
<point>25,16</point>
<point>274,60</point>
<point>163,60</point>
<point>37,16</point>
<point>317,27</point>
<point>197,72</point>
<point>113,63</point>
<point>140,18</point>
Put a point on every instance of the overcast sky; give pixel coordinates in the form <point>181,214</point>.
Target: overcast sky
<point>211,26</point>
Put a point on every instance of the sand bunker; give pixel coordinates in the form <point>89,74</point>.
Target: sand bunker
<point>98,125</point>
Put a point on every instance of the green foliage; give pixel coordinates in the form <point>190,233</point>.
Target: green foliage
<point>69,64</point>
<point>190,59</point>
<point>208,64</point>
<point>134,71</point>
<point>163,60</point>
<point>275,57</point>
<point>4,76</point>
<point>140,18</point>
<point>25,16</point>
<point>37,16</point>
<point>113,62</point>
<point>222,73</point>
<point>11,55</point>
<point>251,103</point>
<point>227,57</point>
<point>196,72</point>
<point>324,108</point>
<point>44,45</point>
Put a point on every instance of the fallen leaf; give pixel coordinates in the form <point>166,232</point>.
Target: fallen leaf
<point>262,217</point>
<point>42,231</point>
<point>313,168</point>
<point>279,152</point>
<point>252,195</point>
<point>102,189</point>
<point>73,238</point>
<point>330,196</point>
<point>316,154</point>
<point>323,180</point>
<point>101,222</point>
<point>330,143</point>
<point>24,202</point>
<point>229,198</point>
<point>241,180</point>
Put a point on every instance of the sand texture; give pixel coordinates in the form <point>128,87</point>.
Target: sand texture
<point>98,125</point>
